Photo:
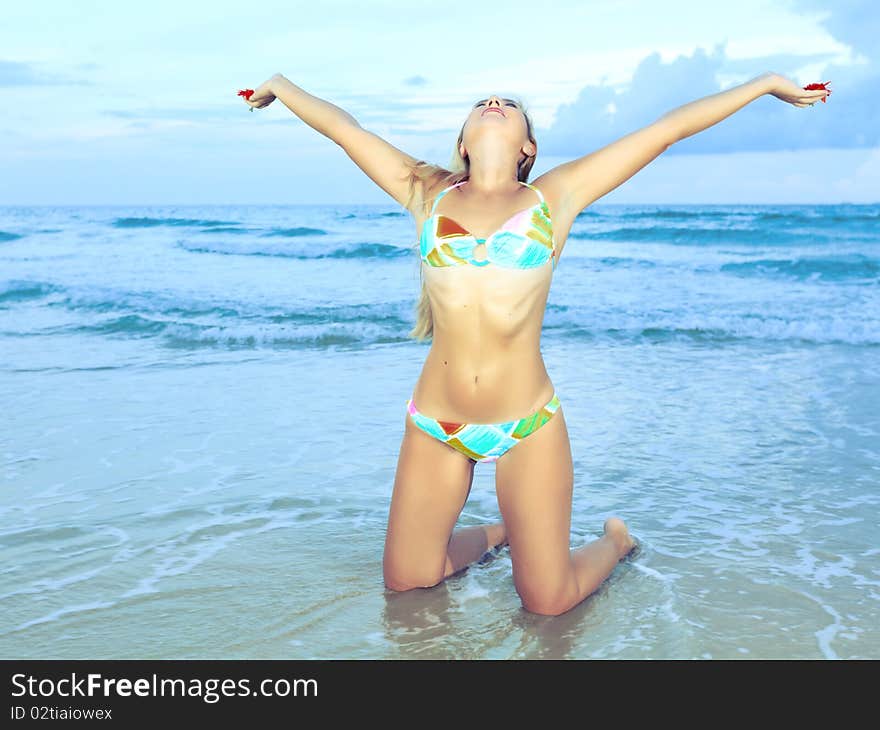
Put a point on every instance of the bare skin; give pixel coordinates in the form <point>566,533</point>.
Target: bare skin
<point>485,363</point>
<point>487,326</point>
<point>469,544</point>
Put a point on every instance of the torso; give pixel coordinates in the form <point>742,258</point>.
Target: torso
<point>485,363</point>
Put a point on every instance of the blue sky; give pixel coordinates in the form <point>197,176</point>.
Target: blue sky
<point>135,103</point>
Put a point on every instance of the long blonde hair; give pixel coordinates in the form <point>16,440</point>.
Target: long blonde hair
<point>428,175</point>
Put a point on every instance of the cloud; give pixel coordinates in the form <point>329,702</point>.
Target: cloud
<point>855,22</point>
<point>601,113</point>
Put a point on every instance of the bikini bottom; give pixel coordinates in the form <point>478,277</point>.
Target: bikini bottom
<point>483,442</point>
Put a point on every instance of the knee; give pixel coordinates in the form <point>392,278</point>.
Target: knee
<point>396,580</point>
<point>546,601</point>
<point>546,607</point>
<point>393,584</point>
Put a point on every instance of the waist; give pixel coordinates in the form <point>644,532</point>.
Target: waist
<point>488,393</point>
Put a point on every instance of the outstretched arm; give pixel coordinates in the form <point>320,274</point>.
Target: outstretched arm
<point>701,114</point>
<point>383,163</point>
<point>582,181</point>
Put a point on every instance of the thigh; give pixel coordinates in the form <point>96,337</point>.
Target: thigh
<point>533,483</point>
<point>431,485</point>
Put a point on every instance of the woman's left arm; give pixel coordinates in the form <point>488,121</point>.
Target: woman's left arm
<point>701,114</point>
<point>580,182</point>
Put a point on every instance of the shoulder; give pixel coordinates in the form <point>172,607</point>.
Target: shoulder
<point>436,184</point>
<point>551,188</point>
<point>426,190</point>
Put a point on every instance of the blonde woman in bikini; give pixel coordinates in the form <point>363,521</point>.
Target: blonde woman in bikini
<point>489,243</point>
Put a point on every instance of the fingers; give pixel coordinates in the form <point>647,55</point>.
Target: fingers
<point>811,98</point>
<point>815,92</point>
<point>804,103</point>
<point>256,99</point>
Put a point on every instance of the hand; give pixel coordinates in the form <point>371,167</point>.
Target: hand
<point>789,91</point>
<point>262,95</point>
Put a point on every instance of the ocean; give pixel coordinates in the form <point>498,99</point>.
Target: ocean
<point>203,406</point>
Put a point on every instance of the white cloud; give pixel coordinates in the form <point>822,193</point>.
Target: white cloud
<point>136,83</point>
<point>850,117</point>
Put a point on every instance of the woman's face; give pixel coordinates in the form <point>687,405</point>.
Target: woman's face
<point>496,116</point>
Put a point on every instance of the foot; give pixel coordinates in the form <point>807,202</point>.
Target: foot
<point>616,529</point>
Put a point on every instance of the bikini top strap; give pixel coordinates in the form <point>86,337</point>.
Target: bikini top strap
<point>442,193</point>
<point>529,185</point>
<point>553,234</point>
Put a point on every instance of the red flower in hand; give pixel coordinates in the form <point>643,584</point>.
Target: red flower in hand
<point>246,93</point>
<point>823,85</point>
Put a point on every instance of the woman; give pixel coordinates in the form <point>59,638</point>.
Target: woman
<point>488,256</point>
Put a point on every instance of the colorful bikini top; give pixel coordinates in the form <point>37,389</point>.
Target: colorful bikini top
<point>524,241</point>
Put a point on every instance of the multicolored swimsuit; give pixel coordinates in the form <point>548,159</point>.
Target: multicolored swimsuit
<point>483,442</point>
<point>524,241</point>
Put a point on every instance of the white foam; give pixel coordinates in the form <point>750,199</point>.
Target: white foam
<point>654,573</point>
<point>64,612</point>
<point>826,635</point>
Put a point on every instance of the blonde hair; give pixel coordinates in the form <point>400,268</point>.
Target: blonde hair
<point>427,175</point>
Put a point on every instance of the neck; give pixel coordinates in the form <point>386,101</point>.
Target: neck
<point>496,178</point>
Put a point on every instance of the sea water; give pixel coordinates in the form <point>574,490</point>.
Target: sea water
<point>202,409</point>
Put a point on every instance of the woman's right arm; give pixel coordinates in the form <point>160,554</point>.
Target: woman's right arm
<point>320,115</point>
<point>382,162</point>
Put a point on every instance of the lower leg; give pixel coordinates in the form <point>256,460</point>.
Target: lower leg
<point>594,562</point>
<point>469,544</point>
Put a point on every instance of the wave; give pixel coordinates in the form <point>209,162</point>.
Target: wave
<point>821,218</point>
<point>700,236</point>
<point>22,291</point>
<point>713,329</point>
<point>299,330</point>
<point>818,215</point>
<point>176,324</point>
<point>837,268</point>
<point>373,216</point>
<point>216,227</point>
<point>6,236</point>
<point>295,232</point>
<point>659,213</point>
<point>344,251</point>
<point>148,222</point>
<point>179,324</point>
<point>226,229</point>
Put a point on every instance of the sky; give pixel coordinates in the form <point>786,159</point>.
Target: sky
<point>112,103</point>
